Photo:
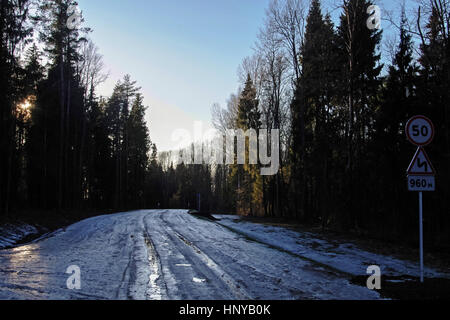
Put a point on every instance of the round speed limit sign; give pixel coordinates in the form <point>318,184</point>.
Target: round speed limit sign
<point>420,131</point>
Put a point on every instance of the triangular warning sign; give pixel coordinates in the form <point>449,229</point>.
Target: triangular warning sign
<point>421,164</point>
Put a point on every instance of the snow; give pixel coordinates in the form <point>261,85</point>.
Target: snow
<point>345,257</point>
<point>12,233</point>
<point>170,255</point>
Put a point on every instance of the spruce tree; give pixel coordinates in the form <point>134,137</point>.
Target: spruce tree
<point>312,110</point>
<point>359,45</point>
<point>14,33</point>
<point>434,96</point>
<point>249,190</point>
<point>62,99</point>
<point>398,103</point>
<point>138,149</point>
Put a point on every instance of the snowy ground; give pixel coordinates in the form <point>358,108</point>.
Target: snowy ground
<point>12,233</point>
<point>345,257</point>
<point>165,255</point>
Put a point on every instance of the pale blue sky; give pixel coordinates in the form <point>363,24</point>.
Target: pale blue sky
<point>183,53</point>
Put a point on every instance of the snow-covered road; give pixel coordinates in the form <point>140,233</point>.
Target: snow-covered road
<point>165,255</point>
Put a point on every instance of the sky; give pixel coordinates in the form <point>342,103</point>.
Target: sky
<point>183,53</point>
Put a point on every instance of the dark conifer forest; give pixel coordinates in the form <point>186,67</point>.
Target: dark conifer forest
<point>341,106</point>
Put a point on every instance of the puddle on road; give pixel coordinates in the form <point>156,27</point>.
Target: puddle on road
<point>154,291</point>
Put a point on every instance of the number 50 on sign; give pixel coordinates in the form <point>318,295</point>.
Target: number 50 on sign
<point>420,131</point>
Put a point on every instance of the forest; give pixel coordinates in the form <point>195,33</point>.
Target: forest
<point>341,110</point>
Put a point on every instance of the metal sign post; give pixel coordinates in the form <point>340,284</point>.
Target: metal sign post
<point>421,173</point>
<point>421,235</point>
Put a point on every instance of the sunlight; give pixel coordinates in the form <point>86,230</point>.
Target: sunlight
<point>25,106</point>
<point>23,110</point>
<point>26,258</point>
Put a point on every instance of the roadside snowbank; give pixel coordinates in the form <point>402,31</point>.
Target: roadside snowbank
<point>345,257</point>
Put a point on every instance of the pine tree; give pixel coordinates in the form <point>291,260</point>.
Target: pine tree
<point>63,101</point>
<point>33,76</point>
<point>434,96</point>
<point>129,91</point>
<point>113,115</point>
<point>120,122</point>
<point>33,71</point>
<point>138,149</point>
<point>399,103</point>
<point>311,111</point>
<point>100,164</point>
<point>249,189</point>
<point>14,32</point>
<point>361,70</point>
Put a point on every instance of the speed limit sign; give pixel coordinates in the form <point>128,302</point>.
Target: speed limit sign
<point>421,174</point>
<point>420,131</point>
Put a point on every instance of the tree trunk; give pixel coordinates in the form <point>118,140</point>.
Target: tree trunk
<point>61,135</point>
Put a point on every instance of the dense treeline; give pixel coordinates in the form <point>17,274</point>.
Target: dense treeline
<point>63,146</point>
<point>344,152</point>
<point>341,113</point>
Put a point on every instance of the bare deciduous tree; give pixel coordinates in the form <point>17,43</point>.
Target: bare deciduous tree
<point>91,67</point>
<point>286,23</point>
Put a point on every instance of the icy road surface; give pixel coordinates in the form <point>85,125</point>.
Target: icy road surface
<point>164,255</point>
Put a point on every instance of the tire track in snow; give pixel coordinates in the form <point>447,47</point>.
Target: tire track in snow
<point>171,250</point>
<point>125,281</point>
<point>238,292</point>
<point>306,287</point>
<point>134,282</point>
<point>253,272</point>
<point>184,265</point>
<point>155,291</point>
<point>330,269</point>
